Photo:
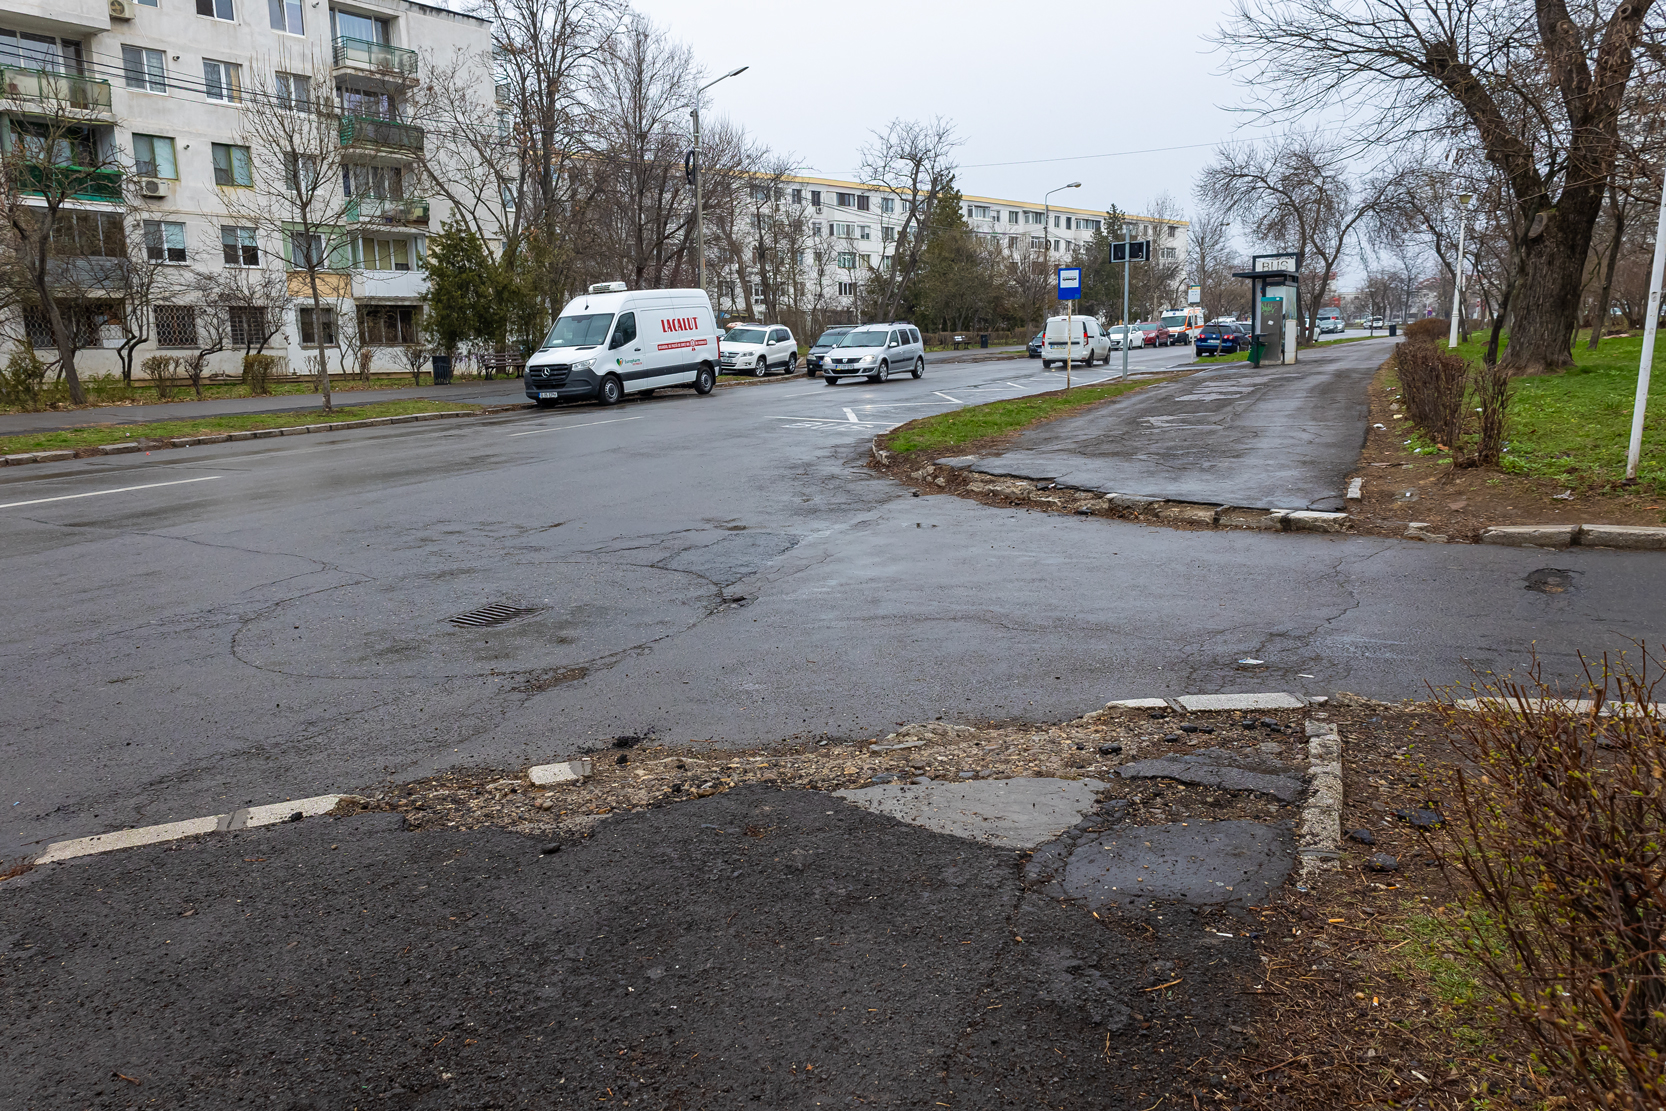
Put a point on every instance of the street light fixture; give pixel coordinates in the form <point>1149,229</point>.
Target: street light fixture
<point>1047,220</point>
<point>1458,270</point>
<point>699,212</point>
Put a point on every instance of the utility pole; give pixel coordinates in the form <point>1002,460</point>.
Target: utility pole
<point>1047,255</point>
<point>699,210</point>
<point>1458,271</point>
<point>1650,328</point>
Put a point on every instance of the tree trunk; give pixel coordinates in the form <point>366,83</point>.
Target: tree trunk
<point>1549,284</point>
<point>1601,315</point>
<point>318,338</point>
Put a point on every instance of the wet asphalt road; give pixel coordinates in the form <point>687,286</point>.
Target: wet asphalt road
<point>274,623</point>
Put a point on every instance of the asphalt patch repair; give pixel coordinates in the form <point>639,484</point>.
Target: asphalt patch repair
<point>755,944</point>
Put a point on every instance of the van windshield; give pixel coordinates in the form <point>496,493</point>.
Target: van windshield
<point>589,330</point>
<point>864,339</point>
<point>1175,321</point>
<point>745,335</point>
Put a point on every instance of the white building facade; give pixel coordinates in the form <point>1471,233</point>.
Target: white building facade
<point>164,83</point>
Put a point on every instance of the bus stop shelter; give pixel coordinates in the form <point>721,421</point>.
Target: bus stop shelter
<point>1275,313</point>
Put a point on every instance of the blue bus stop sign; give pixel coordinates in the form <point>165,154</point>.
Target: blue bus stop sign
<point>1070,283</point>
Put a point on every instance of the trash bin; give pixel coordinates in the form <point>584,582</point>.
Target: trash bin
<point>1394,329</point>
<point>1258,344</point>
<point>442,369</point>
<point>983,339</point>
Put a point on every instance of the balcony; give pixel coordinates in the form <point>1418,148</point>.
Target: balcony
<point>42,92</point>
<point>377,136</point>
<point>375,59</point>
<point>76,182</point>
<point>404,212</point>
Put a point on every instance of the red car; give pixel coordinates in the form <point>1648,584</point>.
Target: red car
<point>1156,335</point>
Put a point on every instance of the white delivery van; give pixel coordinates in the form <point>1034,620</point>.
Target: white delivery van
<point>613,341</point>
<point>1078,336</point>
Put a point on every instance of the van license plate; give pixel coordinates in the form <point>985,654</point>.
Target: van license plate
<point>549,393</point>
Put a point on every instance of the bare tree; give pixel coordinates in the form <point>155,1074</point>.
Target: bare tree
<point>213,332</point>
<point>1540,87</point>
<point>1212,261</point>
<point>911,165</point>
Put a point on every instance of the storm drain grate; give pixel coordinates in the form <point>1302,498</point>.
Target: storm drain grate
<point>495,614</point>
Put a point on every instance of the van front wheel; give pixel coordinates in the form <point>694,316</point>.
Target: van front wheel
<point>704,380</point>
<point>610,391</point>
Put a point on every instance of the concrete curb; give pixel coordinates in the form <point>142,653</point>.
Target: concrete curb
<point>550,775</point>
<point>1202,703</point>
<point>237,437</point>
<point>1128,506</point>
<point>1320,840</point>
<point>247,818</point>
<point>1624,537</point>
<point>1564,705</point>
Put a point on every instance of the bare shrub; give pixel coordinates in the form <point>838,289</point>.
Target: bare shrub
<point>160,369</point>
<point>1432,382</point>
<point>1557,821</point>
<point>1427,330</point>
<point>1492,393</point>
<point>257,374</point>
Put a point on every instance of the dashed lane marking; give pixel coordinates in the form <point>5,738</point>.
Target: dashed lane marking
<point>117,490</point>
<point>564,427</point>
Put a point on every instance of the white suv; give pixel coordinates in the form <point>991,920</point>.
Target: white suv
<point>875,352</point>
<point>757,349</point>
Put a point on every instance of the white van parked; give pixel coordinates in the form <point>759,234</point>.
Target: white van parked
<point>1079,337</point>
<point>613,341</point>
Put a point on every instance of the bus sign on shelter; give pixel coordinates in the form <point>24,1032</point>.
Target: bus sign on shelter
<point>1070,283</point>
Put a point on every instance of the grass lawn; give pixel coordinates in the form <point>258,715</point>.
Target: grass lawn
<point>1574,427</point>
<point>977,422</point>
<point>110,390</point>
<point>72,438</point>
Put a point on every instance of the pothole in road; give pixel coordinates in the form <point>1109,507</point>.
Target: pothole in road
<point>1551,580</point>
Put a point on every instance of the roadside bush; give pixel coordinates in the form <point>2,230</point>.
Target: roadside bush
<point>1432,382</point>
<point>22,381</point>
<point>160,369</point>
<point>1428,330</point>
<point>1557,821</point>
<point>257,374</point>
<point>1492,391</point>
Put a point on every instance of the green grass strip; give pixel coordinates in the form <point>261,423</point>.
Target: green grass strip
<point>975,422</point>
<point>71,438</point>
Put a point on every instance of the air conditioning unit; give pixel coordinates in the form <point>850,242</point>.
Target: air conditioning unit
<point>121,9</point>
<point>151,187</point>
<point>609,287</point>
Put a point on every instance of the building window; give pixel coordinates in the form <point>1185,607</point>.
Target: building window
<point>176,325</point>
<point>240,246</point>
<point>390,325</point>
<point>144,69</point>
<point>300,174</point>
<point>46,52</point>
<point>1012,215</point>
<point>847,289</point>
<point>248,325</point>
<point>862,202</point>
<point>798,196</point>
<point>815,197</point>
<point>153,156</point>
<point>306,251</point>
<point>1170,253</point>
<point>364,28</point>
<point>1012,242</point>
<point>1172,230</point>
<point>326,327</point>
<point>164,241</point>
<point>847,259</point>
<point>384,254</point>
<point>886,234</point>
<point>215,9</point>
<point>887,205</point>
<point>867,232</point>
<point>1057,246</point>
<point>293,90</point>
<point>232,165</point>
<point>85,320</point>
<point>815,229</point>
<point>89,234</point>
<point>286,16</point>
<point>222,80</point>
<point>844,200</point>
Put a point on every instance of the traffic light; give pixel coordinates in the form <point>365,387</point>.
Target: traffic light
<point>1138,250</point>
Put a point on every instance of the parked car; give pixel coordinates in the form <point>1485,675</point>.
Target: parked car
<point>1156,335</point>
<point>613,341</point>
<point>828,340</point>
<point>1078,337</point>
<point>1035,344</point>
<point>1130,336</point>
<point>1331,321</point>
<point>1222,339</point>
<point>757,349</point>
<point>875,352</point>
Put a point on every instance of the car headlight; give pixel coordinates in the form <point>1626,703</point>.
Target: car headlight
<point>866,359</point>
<point>584,364</point>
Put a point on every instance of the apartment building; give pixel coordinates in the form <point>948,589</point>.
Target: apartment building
<point>852,228</point>
<point>159,86</point>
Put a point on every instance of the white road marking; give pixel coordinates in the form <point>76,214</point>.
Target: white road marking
<point>940,393</point>
<point>564,427</point>
<point>117,490</point>
<point>852,417</point>
<point>833,420</point>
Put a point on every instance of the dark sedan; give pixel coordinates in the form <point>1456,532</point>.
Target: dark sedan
<point>1221,339</point>
<point>1036,345</point>
<point>818,350</point>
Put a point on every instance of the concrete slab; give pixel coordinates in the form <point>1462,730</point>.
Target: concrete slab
<point>1206,863</point>
<point>550,775</point>
<point>1216,769</point>
<point>128,838</point>
<point>272,813</point>
<point>1271,701</point>
<point>1139,704</point>
<point>1020,813</point>
<point>1634,537</point>
<point>1537,536</point>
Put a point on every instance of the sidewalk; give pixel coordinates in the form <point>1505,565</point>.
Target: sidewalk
<point>500,391</point>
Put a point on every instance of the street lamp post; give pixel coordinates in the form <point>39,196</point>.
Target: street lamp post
<point>1458,271</point>
<point>699,212</point>
<point>1047,260</point>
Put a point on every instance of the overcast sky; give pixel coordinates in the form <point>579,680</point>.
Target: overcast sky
<point>1040,95</point>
